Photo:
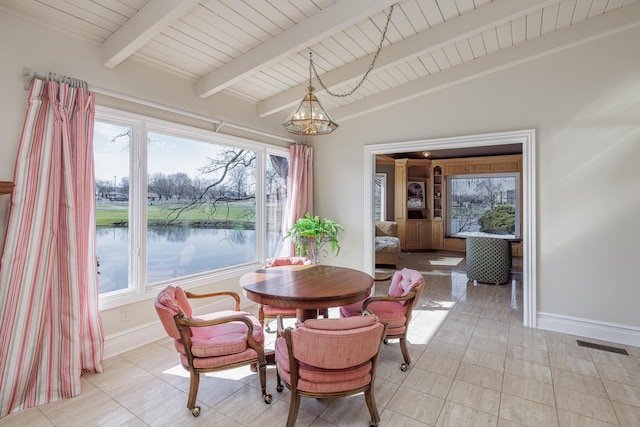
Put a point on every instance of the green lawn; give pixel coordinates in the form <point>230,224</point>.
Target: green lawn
<point>109,213</point>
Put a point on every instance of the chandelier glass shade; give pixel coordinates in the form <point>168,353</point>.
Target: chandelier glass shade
<point>310,118</point>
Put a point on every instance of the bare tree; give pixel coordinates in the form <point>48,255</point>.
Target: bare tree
<point>123,189</point>
<point>277,177</point>
<point>490,190</point>
<point>103,187</point>
<point>213,193</point>
<point>463,217</point>
<point>238,181</point>
<point>160,185</point>
<point>181,185</point>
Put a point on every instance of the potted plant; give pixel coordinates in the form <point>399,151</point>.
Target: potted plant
<point>310,234</point>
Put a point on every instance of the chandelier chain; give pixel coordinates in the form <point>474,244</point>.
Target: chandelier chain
<point>364,77</point>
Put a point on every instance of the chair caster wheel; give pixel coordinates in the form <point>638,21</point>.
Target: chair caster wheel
<point>279,388</point>
<point>268,398</point>
<point>195,411</point>
<point>404,367</point>
<point>267,329</point>
<point>386,341</point>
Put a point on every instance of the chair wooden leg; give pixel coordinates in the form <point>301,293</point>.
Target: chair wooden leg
<point>262,372</point>
<point>293,408</point>
<point>405,353</point>
<point>371,405</point>
<point>261,316</point>
<point>193,393</point>
<point>279,386</point>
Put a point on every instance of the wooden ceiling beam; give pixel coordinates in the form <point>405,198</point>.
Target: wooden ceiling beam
<point>150,21</point>
<point>480,19</point>
<point>612,22</point>
<point>317,27</point>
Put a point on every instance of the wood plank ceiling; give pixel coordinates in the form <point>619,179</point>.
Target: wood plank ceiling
<point>258,50</point>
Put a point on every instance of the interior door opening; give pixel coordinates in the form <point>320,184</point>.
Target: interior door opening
<point>526,138</point>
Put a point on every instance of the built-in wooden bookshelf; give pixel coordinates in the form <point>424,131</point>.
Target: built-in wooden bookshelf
<point>411,208</point>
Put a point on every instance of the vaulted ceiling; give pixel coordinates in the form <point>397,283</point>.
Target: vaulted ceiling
<point>258,50</point>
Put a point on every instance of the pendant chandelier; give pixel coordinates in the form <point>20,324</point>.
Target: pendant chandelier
<point>310,118</point>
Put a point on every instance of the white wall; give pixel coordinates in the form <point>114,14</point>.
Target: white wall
<point>584,104</point>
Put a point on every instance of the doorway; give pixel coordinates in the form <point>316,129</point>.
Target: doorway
<point>527,140</point>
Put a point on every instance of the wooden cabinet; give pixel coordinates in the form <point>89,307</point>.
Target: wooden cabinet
<point>417,234</point>
<point>493,164</point>
<point>437,234</point>
<point>412,203</point>
<point>400,192</point>
<point>438,206</point>
<point>516,249</point>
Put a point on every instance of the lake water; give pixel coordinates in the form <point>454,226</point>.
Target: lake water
<point>172,252</point>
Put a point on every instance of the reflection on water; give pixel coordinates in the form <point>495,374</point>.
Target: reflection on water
<point>168,234</point>
<point>172,252</point>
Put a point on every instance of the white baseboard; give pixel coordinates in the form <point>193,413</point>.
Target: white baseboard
<point>133,338</point>
<point>605,331</point>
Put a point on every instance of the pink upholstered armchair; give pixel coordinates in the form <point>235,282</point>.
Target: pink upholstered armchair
<point>211,342</point>
<point>395,309</point>
<point>329,358</point>
<point>267,312</point>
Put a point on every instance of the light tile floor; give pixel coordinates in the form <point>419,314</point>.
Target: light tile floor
<point>473,364</point>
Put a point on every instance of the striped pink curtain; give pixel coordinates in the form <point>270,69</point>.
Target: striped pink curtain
<point>299,187</point>
<point>50,330</point>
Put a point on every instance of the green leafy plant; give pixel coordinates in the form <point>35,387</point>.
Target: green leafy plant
<point>310,234</point>
<point>499,218</point>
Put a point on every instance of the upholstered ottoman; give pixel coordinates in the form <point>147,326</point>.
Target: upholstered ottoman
<point>488,260</point>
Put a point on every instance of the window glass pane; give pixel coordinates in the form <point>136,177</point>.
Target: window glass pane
<point>276,201</point>
<point>380,197</point>
<point>487,204</point>
<point>111,157</point>
<point>201,206</point>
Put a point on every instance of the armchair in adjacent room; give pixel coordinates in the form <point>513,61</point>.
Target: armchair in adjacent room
<point>211,342</point>
<point>329,358</point>
<point>387,243</point>
<point>395,309</point>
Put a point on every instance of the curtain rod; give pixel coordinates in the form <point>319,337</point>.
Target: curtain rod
<point>30,74</point>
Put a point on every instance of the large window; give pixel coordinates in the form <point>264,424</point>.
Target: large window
<point>180,205</point>
<point>486,203</point>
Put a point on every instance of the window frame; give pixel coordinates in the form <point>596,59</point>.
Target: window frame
<point>138,289</point>
<point>449,198</point>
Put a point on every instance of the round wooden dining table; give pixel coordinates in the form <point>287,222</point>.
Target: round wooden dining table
<point>306,288</point>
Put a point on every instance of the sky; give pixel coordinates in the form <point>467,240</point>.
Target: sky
<point>167,154</point>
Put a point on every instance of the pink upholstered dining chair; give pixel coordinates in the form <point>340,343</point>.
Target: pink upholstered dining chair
<point>329,358</point>
<point>394,309</point>
<point>212,342</point>
<point>268,312</point>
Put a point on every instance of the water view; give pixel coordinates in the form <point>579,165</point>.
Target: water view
<point>198,199</point>
<point>172,252</point>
